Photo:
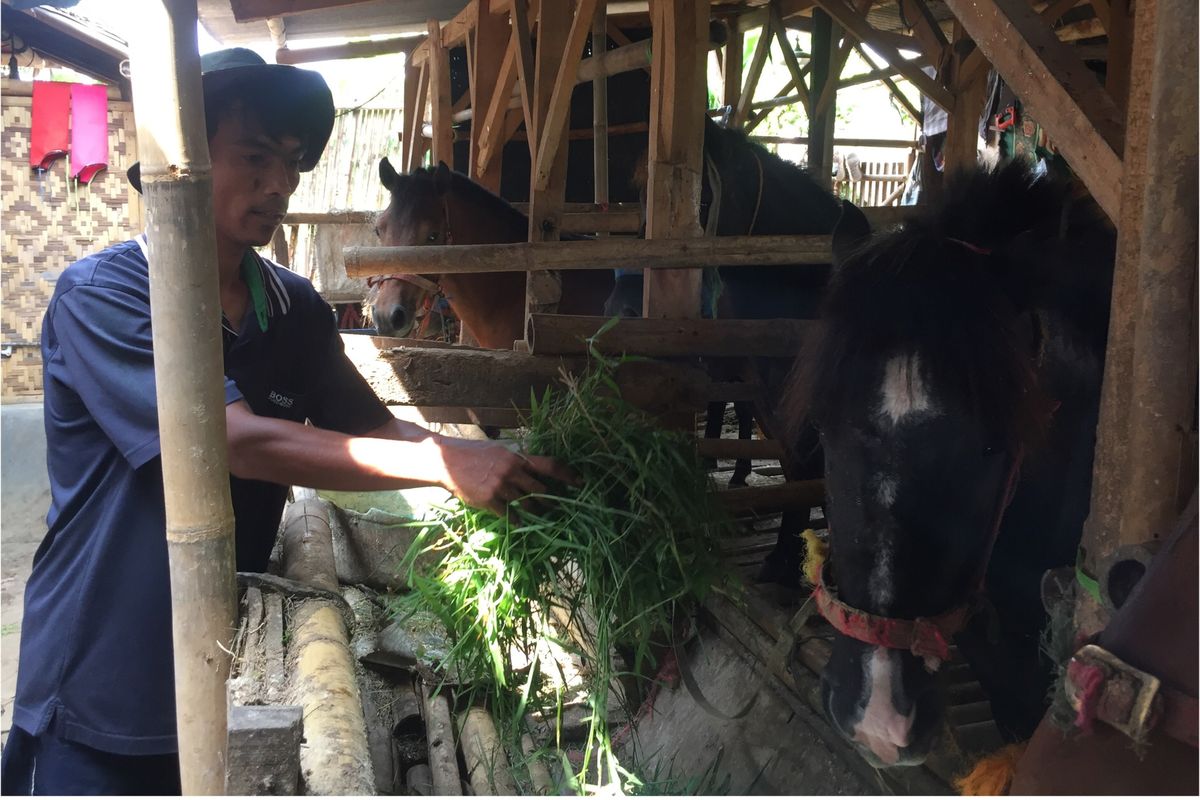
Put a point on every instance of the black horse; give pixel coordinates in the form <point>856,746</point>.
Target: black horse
<point>956,390</point>
<point>757,193</point>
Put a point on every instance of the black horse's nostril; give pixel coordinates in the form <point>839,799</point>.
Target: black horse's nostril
<point>398,318</point>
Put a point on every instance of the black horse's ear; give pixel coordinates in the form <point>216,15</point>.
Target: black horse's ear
<point>388,174</point>
<point>851,231</point>
<point>443,176</point>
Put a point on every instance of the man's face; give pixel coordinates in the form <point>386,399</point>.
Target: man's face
<point>253,177</point>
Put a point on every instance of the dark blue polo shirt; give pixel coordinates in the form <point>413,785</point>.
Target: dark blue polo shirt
<point>96,654</point>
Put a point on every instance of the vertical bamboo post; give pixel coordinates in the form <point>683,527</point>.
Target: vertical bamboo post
<point>600,106</point>
<point>732,77</point>
<point>185,315</point>
<point>439,96</point>
<point>412,121</point>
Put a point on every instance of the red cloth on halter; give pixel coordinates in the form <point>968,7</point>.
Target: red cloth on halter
<point>925,637</point>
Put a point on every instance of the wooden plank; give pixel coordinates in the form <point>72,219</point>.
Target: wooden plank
<point>263,755</point>
<point>925,28</point>
<point>493,77</point>
<point>559,106</point>
<point>780,497</point>
<point>962,134</point>
<point>554,334</point>
<point>678,100</point>
<point>722,251</point>
<point>764,449</point>
<point>1119,25</point>
<point>858,27</point>
<point>439,97</point>
<point>1084,122</point>
<point>411,125</point>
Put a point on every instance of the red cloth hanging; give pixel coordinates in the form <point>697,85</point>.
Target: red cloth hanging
<point>89,131</point>
<point>49,131</point>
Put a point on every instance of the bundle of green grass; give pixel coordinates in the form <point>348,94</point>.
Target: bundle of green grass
<point>629,549</point>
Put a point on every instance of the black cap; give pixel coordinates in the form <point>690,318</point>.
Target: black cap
<point>303,90</point>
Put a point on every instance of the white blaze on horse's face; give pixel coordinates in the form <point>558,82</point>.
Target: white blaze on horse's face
<point>903,392</point>
<point>883,730</point>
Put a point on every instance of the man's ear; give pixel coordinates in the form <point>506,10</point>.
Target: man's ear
<point>443,177</point>
<point>851,231</point>
<point>388,174</point>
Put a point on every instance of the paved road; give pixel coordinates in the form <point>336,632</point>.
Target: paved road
<point>24,498</point>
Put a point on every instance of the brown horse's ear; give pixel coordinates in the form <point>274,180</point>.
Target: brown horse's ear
<point>387,174</point>
<point>851,231</point>
<point>443,176</point>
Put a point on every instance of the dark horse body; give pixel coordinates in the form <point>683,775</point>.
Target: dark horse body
<point>438,206</point>
<point>956,351</point>
<point>759,194</point>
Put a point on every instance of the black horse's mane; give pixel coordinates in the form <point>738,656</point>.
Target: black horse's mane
<point>952,285</point>
<point>799,188</point>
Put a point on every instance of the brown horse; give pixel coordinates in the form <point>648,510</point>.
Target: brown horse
<point>438,206</point>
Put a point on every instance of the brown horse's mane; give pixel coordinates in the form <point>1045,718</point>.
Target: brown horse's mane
<point>469,191</point>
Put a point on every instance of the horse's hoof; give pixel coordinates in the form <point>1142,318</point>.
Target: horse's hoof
<point>737,480</point>
<point>781,573</point>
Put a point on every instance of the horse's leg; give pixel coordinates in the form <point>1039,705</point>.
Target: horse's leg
<point>745,417</point>
<point>782,564</point>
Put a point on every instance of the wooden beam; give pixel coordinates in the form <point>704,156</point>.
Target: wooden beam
<point>559,107</point>
<point>756,67</point>
<point>523,38</point>
<point>600,107</point>
<point>1118,22</point>
<point>678,101</point>
<point>820,129</point>
<point>1084,123</point>
<point>925,28</point>
<point>416,150</point>
<point>338,52</point>
<point>781,497</point>
<point>554,334</point>
<point>454,32</point>
<point>789,57</point>
<point>492,127</point>
<point>962,134</point>
<point>859,28</point>
<point>732,68</point>
<point>713,251</point>
<point>492,78</point>
<point>439,97</point>
<point>759,449</point>
<point>264,749</point>
<point>254,10</point>
<point>546,195</point>
<point>903,100</point>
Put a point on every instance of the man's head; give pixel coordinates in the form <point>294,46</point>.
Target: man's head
<point>266,124</point>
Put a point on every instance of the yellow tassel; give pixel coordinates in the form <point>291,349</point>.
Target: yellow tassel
<point>992,775</point>
<point>816,551</point>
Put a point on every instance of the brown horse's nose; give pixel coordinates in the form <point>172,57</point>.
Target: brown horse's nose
<point>398,318</point>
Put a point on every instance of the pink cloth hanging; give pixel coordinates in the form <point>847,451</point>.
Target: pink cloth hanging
<point>48,130</point>
<point>89,131</point>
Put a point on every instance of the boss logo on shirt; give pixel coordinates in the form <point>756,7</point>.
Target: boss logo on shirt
<point>281,400</point>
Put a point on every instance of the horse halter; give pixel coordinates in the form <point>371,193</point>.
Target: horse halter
<point>927,638</point>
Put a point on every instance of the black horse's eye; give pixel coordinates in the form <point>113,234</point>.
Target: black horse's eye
<point>433,236</point>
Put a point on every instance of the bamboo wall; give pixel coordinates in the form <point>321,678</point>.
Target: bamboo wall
<point>46,227</point>
<point>347,177</point>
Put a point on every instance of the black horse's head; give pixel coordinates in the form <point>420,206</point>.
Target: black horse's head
<point>415,215</point>
<point>924,389</point>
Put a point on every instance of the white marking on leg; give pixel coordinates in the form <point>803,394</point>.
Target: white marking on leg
<point>886,491</point>
<point>903,392</point>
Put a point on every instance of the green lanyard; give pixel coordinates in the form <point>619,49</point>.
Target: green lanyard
<point>252,275</point>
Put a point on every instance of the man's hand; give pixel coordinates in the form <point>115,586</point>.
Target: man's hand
<point>489,475</point>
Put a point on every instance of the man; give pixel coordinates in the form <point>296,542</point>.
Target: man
<point>95,704</point>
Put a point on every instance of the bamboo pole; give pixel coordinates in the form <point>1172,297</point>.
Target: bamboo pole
<point>488,770</point>
<point>184,302</point>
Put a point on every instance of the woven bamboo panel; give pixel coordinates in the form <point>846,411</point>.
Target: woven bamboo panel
<point>48,223</point>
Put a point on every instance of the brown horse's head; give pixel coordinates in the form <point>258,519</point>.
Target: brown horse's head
<point>416,215</point>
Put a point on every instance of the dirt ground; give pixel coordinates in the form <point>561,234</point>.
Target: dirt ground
<point>24,499</point>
